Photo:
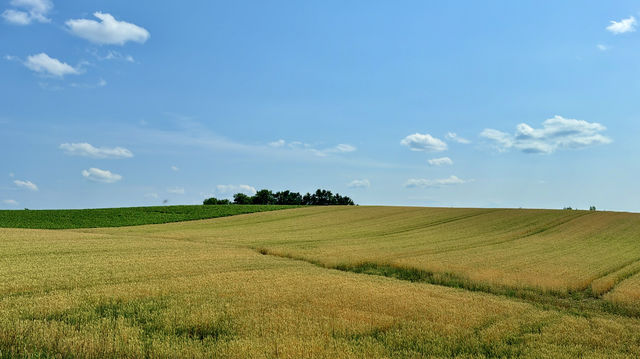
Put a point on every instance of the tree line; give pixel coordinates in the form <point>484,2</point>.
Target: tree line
<point>321,197</point>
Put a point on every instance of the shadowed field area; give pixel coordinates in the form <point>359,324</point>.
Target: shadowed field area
<point>328,282</point>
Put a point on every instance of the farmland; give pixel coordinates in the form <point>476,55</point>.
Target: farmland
<point>117,217</point>
<point>328,282</point>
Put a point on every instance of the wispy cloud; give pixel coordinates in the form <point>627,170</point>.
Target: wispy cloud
<point>305,147</point>
<point>556,133</point>
<point>176,190</point>
<point>87,150</point>
<point>424,142</point>
<point>175,168</point>
<point>108,30</point>
<point>452,136</point>
<point>235,188</point>
<point>602,47</point>
<point>29,11</point>
<point>442,161</point>
<point>359,183</point>
<point>622,26</point>
<point>423,182</point>
<point>26,184</point>
<point>99,175</point>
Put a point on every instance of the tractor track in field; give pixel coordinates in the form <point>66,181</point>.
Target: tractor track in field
<point>579,303</point>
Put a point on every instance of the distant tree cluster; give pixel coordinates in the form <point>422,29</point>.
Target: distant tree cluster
<point>320,198</point>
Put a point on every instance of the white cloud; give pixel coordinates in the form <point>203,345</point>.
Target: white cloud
<point>622,26</point>
<point>556,133</point>
<point>108,30</point>
<point>86,150</point>
<point>151,195</point>
<point>422,182</point>
<point>363,183</point>
<point>424,142</point>
<point>176,190</point>
<point>452,136</point>
<point>175,168</point>
<point>277,144</point>
<point>98,175</point>
<point>42,63</point>
<point>11,174</point>
<point>235,188</point>
<point>32,10</point>
<point>602,47</point>
<point>26,184</point>
<point>440,161</point>
<point>10,202</point>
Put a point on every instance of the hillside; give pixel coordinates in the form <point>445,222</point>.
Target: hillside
<point>329,282</point>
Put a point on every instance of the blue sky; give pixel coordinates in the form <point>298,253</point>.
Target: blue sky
<point>493,104</point>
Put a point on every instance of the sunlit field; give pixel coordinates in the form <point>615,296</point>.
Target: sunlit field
<point>328,282</point>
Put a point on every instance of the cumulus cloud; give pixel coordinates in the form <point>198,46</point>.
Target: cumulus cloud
<point>362,183</point>
<point>423,182</point>
<point>236,188</point>
<point>176,190</point>
<point>424,142</point>
<point>622,26</point>
<point>452,136</point>
<point>108,30</point>
<point>30,10</point>
<point>44,64</point>
<point>10,202</point>
<point>556,133</point>
<point>440,161</point>
<point>87,150</point>
<point>98,175</point>
<point>26,184</point>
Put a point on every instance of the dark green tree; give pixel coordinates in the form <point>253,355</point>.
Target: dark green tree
<point>241,198</point>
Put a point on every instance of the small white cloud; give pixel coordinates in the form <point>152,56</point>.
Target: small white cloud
<point>452,136</point>
<point>343,148</point>
<point>26,184</point>
<point>363,183</point>
<point>422,182</point>
<point>87,150</point>
<point>424,142</point>
<point>151,195</point>
<point>176,190</point>
<point>44,64</point>
<point>235,188</point>
<point>98,175</point>
<point>10,202</point>
<point>440,161</point>
<point>175,168</point>
<point>622,26</point>
<point>11,174</point>
<point>602,47</point>
<point>277,144</point>
<point>108,30</point>
<point>32,10</point>
<point>556,133</point>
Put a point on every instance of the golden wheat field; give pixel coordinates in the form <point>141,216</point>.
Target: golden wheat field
<point>328,282</point>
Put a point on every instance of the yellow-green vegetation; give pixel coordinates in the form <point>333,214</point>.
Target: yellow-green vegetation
<point>328,282</point>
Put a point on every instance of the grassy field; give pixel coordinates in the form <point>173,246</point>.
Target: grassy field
<point>118,217</point>
<point>328,282</point>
